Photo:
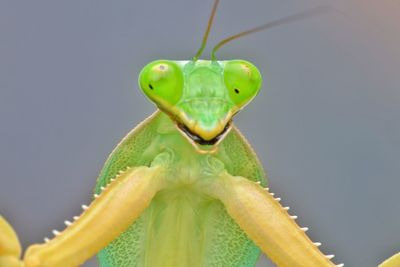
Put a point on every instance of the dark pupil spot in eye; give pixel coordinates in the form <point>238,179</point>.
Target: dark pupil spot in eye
<point>236,91</point>
<point>151,86</point>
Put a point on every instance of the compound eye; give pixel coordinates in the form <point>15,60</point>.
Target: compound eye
<point>243,81</point>
<point>162,82</point>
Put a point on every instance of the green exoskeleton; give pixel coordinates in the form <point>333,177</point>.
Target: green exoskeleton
<point>184,188</point>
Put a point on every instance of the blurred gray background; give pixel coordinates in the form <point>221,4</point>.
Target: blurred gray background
<point>325,125</point>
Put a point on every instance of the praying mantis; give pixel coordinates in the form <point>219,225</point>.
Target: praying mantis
<point>189,138</point>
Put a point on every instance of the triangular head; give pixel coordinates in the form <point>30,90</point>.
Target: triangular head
<point>201,96</point>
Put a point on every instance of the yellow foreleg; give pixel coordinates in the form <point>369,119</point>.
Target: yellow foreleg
<point>120,203</point>
<point>267,223</point>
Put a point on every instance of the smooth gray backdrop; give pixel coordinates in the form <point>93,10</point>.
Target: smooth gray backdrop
<point>325,125</point>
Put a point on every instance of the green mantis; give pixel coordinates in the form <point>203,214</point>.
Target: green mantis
<point>190,173</point>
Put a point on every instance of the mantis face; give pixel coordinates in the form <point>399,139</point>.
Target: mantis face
<point>201,96</point>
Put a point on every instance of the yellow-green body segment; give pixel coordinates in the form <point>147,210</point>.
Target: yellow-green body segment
<point>184,188</point>
<point>184,225</point>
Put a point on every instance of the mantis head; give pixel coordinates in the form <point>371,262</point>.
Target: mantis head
<point>201,96</point>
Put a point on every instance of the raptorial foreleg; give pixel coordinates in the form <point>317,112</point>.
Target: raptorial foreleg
<point>110,213</point>
<point>267,223</point>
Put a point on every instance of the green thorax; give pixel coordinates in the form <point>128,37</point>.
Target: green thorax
<point>182,226</point>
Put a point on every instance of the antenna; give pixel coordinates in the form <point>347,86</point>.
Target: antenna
<point>205,36</point>
<point>292,18</point>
